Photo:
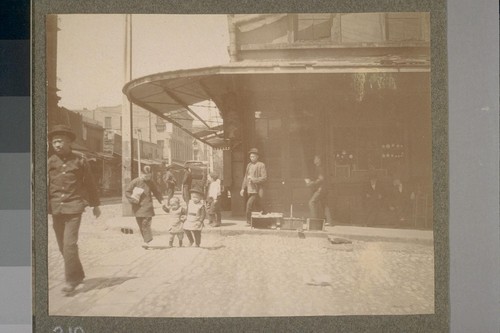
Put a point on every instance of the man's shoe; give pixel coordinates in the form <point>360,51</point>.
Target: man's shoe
<point>70,287</point>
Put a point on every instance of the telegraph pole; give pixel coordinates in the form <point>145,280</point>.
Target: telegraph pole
<point>127,121</point>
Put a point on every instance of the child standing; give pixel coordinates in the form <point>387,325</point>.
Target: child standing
<point>195,216</point>
<point>176,217</point>
<point>213,200</point>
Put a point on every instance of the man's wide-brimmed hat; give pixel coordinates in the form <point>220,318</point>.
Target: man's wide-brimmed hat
<point>62,129</point>
<point>253,151</point>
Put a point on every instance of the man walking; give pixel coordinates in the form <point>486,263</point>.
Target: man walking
<point>187,180</point>
<point>253,182</point>
<point>71,188</point>
<point>170,183</point>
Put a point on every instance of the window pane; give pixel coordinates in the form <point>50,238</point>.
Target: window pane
<point>357,28</point>
<point>314,26</point>
<point>401,29</point>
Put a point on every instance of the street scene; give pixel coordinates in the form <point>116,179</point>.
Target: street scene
<point>241,165</point>
<point>239,272</point>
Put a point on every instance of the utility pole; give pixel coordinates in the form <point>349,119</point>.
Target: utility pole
<point>139,138</point>
<point>127,121</point>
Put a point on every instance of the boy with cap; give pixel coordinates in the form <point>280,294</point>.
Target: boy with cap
<point>253,181</point>
<point>71,189</point>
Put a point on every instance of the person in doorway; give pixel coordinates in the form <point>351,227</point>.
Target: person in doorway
<point>253,181</point>
<point>213,200</point>
<point>170,183</point>
<point>317,203</point>
<point>195,216</point>
<point>140,192</point>
<point>400,199</point>
<point>373,199</point>
<point>187,180</point>
<point>71,189</point>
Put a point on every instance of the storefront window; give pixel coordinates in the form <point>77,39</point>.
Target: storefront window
<point>357,149</point>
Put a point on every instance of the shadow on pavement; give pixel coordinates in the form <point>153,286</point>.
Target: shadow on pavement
<point>212,248</point>
<point>100,283</point>
<point>226,224</point>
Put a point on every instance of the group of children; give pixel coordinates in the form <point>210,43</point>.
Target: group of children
<point>189,220</point>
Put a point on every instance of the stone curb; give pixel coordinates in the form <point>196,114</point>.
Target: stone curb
<point>129,223</point>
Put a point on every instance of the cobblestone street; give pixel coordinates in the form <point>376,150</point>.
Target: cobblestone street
<point>241,275</point>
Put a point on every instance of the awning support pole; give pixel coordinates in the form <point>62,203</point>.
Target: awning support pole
<point>184,105</point>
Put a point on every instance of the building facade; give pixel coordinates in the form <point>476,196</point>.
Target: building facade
<point>351,88</point>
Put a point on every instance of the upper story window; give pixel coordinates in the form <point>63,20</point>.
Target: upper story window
<point>352,28</point>
<point>107,122</point>
<point>314,27</point>
<point>405,26</point>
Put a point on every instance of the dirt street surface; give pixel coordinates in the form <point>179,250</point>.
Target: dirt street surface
<point>241,275</point>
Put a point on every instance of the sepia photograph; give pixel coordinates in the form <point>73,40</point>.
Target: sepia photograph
<point>242,165</point>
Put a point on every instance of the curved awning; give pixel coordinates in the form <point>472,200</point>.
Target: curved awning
<point>170,95</point>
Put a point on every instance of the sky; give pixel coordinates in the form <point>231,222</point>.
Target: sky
<point>90,52</point>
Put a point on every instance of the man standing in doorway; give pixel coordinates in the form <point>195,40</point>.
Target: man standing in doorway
<point>71,189</point>
<point>317,203</point>
<point>253,181</point>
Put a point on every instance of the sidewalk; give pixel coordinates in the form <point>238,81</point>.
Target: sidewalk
<point>237,226</point>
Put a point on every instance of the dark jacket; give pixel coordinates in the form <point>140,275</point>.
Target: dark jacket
<point>259,177</point>
<point>318,184</point>
<point>187,179</point>
<point>71,184</point>
<point>169,179</point>
<point>145,206</point>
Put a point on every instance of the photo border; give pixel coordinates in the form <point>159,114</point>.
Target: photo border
<point>437,322</point>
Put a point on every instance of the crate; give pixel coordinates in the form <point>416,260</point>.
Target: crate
<point>315,224</point>
<point>292,223</point>
<point>271,221</point>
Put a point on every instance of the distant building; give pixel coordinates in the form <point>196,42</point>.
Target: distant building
<point>176,145</point>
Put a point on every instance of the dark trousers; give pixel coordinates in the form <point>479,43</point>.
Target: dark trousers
<point>170,192</point>
<point>214,213</point>
<point>171,236</point>
<point>372,212</point>
<point>144,224</point>
<point>185,193</point>
<point>254,200</point>
<point>196,234</point>
<point>66,227</point>
<point>215,219</point>
<point>317,204</point>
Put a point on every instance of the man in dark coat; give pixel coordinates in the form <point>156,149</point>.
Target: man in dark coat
<point>253,183</point>
<point>186,184</point>
<point>170,183</point>
<point>71,189</point>
<point>140,194</point>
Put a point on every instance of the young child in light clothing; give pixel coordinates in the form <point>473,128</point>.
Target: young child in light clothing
<point>213,200</point>
<point>176,215</point>
<point>195,216</point>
